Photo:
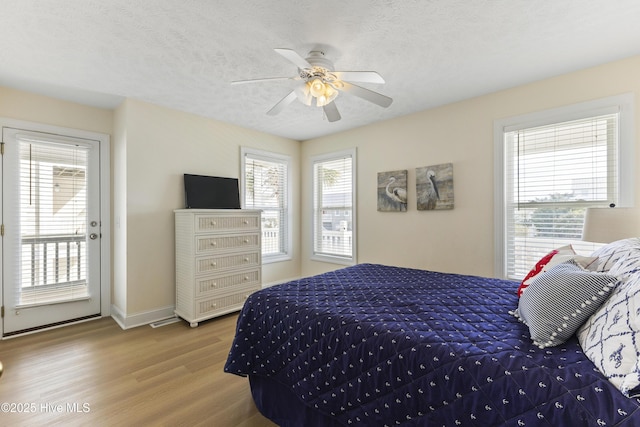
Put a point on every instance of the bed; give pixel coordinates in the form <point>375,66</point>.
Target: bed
<point>381,345</point>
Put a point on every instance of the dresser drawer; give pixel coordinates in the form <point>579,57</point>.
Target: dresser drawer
<point>210,306</point>
<point>215,285</point>
<point>209,243</point>
<point>208,223</point>
<point>211,264</point>
<point>218,261</point>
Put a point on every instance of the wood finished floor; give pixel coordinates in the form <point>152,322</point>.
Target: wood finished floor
<point>167,376</point>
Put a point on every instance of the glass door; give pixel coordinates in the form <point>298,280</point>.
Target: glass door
<point>51,256</point>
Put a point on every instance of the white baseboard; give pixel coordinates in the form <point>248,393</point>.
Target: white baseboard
<point>128,321</point>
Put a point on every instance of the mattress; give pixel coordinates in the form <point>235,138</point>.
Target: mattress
<point>382,345</point>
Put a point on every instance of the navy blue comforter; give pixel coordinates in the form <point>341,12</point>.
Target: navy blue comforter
<point>377,345</point>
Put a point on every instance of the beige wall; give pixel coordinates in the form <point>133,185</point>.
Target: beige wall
<point>29,107</point>
<point>119,209</point>
<point>15,104</point>
<point>162,145</point>
<point>460,240</point>
<point>153,146</point>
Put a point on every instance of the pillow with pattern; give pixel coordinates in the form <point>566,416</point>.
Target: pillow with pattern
<point>553,258</point>
<point>559,301</point>
<point>611,336</point>
<point>610,253</point>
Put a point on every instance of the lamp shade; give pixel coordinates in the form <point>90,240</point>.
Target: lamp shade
<point>303,94</point>
<point>316,87</point>
<point>606,225</point>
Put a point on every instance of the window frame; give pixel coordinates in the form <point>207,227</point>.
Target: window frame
<point>268,156</point>
<point>621,104</point>
<point>323,257</point>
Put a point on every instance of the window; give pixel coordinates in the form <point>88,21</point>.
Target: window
<point>265,187</point>
<point>552,166</point>
<point>53,221</point>
<point>334,231</point>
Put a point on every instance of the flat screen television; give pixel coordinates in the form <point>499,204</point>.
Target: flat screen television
<point>211,192</point>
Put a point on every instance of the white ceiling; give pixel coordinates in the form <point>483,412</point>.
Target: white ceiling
<point>183,54</point>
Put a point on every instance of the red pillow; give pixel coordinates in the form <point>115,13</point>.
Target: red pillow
<point>553,258</point>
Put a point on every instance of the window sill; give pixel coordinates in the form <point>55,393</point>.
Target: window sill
<point>275,258</point>
<point>333,260</point>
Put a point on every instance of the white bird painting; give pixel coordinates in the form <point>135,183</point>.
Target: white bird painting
<point>396,193</point>
<point>434,187</point>
<point>392,191</point>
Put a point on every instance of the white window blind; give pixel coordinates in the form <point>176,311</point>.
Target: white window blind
<point>553,173</point>
<point>53,222</point>
<point>334,207</point>
<point>266,188</point>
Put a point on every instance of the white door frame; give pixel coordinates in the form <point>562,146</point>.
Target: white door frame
<point>105,202</point>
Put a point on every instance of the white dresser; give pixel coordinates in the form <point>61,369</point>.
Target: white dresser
<point>218,261</point>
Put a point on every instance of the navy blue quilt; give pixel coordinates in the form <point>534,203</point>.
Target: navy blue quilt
<point>376,345</point>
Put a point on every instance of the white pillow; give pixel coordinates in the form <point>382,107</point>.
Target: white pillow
<point>610,253</point>
<point>611,336</point>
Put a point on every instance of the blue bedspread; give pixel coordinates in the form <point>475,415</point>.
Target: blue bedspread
<point>377,345</point>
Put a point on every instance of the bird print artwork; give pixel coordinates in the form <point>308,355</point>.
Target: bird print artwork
<point>434,187</point>
<point>396,193</point>
<point>432,190</point>
<point>392,191</point>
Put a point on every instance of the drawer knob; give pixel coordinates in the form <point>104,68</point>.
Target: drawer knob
<point>213,305</point>
<point>214,243</point>
<point>213,264</point>
<point>246,260</point>
<point>246,240</point>
<point>213,223</point>
<point>246,278</point>
<point>245,221</point>
<point>214,285</point>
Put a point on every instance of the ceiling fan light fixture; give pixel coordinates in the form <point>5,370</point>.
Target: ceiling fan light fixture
<point>327,97</point>
<point>303,95</point>
<point>316,87</point>
<point>319,85</point>
<point>323,92</point>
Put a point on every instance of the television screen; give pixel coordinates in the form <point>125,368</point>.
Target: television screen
<point>211,192</point>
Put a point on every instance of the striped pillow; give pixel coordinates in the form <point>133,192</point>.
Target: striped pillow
<point>560,300</point>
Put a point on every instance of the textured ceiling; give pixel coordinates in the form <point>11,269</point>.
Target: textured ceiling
<point>183,54</point>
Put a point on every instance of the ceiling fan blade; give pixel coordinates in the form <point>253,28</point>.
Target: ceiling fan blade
<point>282,103</point>
<point>331,111</point>
<point>366,94</point>
<point>266,79</point>
<point>359,76</point>
<point>294,57</point>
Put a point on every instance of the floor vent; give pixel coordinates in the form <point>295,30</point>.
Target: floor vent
<point>164,322</point>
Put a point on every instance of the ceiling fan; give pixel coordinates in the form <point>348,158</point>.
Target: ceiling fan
<point>319,84</point>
